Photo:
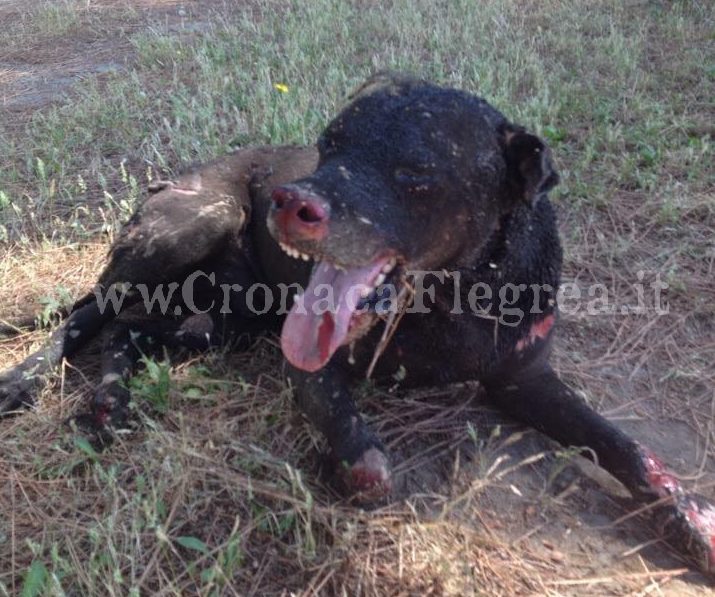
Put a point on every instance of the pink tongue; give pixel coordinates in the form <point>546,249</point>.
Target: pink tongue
<point>319,321</point>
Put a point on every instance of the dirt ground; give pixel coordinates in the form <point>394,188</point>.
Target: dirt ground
<point>35,74</point>
<point>562,513</point>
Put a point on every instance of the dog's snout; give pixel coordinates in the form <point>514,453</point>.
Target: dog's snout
<point>300,215</point>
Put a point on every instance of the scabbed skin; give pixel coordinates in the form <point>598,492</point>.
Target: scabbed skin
<point>409,176</point>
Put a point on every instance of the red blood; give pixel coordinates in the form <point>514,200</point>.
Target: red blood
<point>659,479</point>
<point>102,417</point>
<point>698,514</point>
<point>370,475</point>
<point>702,518</point>
<point>539,330</point>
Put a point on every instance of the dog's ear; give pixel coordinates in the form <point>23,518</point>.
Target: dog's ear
<point>530,170</point>
<point>386,81</point>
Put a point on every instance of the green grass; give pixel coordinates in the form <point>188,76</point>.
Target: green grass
<point>217,492</point>
<point>590,83</point>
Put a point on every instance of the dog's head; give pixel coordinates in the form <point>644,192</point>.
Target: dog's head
<point>411,176</point>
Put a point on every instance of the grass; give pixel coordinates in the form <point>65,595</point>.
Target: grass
<point>219,494</point>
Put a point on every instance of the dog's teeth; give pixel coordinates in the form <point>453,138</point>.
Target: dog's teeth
<point>387,268</point>
<point>365,292</point>
<point>380,279</point>
<point>304,257</point>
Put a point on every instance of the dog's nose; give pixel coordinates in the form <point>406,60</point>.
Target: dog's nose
<point>299,214</point>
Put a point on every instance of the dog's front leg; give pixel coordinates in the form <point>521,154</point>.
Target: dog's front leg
<point>539,398</point>
<point>325,398</point>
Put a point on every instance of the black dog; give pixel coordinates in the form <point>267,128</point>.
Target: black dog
<point>409,178</point>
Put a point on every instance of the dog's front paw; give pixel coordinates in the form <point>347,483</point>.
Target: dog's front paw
<point>368,479</point>
<point>16,390</point>
<point>689,524</point>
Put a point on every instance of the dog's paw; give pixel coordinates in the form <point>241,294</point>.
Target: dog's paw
<point>110,413</point>
<point>368,479</point>
<point>85,425</point>
<point>689,524</point>
<point>111,405</point>
<point>16,390</point>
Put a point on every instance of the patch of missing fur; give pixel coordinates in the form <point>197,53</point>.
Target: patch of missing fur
<point>539,330</point>
<point>185,191</point>
<point>110,378</point>
<point>208,210</point>
<point>191,184</point>
<point>160,185</point>
<point>200,324</point>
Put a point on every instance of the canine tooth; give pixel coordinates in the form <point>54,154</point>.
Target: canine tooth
<point>387,268</point>
<point>364,292</point>
<point>304,257</point>
<point>380,279</point>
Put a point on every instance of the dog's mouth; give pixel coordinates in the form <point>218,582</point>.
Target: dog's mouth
<point>339,304</point>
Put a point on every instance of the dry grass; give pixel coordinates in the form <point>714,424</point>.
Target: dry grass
<point>222,495</point>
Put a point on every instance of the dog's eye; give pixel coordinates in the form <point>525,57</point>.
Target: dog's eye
<point>414,178</point>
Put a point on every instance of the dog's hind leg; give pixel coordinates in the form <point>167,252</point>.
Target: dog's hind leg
<point>125,341</point>
<point>18,385</point>
<point>173,230</point>
<point>539,398</point>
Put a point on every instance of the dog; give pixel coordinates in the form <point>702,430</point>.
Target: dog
<point>418,205</point>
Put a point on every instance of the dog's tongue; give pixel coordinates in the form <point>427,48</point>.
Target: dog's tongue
<point>319,321</point>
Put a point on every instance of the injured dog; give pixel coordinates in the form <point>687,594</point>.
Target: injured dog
<point>409,178</point>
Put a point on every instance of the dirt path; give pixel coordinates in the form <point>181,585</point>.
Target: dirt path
<point>48,46</point>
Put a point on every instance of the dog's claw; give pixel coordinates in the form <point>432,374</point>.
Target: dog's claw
<point>369,478</point>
